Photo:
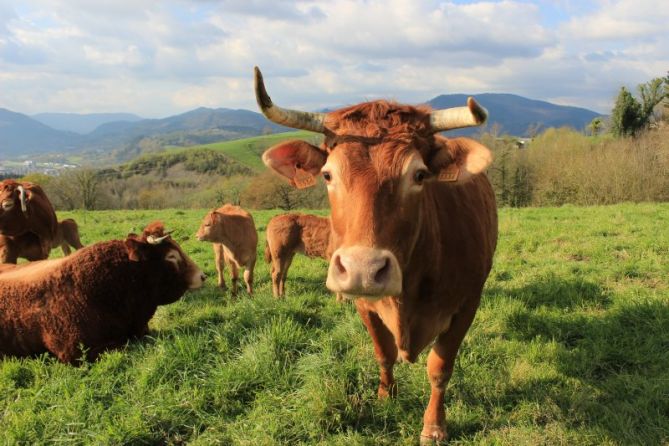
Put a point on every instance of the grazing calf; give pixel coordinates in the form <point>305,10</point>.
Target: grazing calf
<point>233,233</point>
<point>288,234</point>
<point>29,246</point>
<point>414,224</point>
<point>98,298</point>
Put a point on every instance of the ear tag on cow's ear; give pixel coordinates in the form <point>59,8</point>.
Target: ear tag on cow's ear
<point>303,179</point>
<point>449,173</point>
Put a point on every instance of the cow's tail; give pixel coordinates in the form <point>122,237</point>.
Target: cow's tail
<point>268,253</point>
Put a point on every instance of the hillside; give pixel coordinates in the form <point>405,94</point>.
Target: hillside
<point>122,140</point>
<point>82,123</point>
<point>516,114</point>
<point>21,134</point>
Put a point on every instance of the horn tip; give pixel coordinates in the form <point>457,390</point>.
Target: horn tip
<point>263,99</point>
<point>479,112</point>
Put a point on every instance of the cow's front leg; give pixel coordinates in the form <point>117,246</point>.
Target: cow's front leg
<point>220,264</point>
<point>440,363</point>
<point>385,350</point>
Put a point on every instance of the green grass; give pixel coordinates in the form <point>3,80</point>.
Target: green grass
<point>248,151</point>
<point>570,346</point>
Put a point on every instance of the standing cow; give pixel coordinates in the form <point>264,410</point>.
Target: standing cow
<point>24,207</point>
<point>98,298</point>
<point>30,247</point>
<point>288,234</point>
<point>235,240</point>
<point>28,224</point>
<point>415,223</point>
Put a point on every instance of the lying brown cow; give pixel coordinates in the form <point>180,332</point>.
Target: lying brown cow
<point>414,222</point>
<point>24,207</point>
<point>99,297</point>
<point>288,234</point>
<point>29,246</point>
<point>233,233</point>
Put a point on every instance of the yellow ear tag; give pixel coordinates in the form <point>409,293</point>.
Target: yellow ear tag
<point>449,174</point>
<point>303,179</point>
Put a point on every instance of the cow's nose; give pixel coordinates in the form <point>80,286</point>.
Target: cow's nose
<point>203,277</point>
<point>365,272</point>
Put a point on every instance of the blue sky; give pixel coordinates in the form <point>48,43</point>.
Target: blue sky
<point>161,58</point>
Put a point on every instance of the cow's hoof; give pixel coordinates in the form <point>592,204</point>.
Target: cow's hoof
<point>433,435</point>
<point>387,391</point>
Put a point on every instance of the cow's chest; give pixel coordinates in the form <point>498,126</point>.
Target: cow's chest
<point>413,327</point>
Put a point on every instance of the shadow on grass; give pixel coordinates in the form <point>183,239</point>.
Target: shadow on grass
<point>615,359</point>
<point>556,293</point>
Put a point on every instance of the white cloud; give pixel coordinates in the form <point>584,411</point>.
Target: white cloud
<point>160,58</point>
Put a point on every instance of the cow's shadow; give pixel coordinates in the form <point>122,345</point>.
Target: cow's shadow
<point>611,356</point>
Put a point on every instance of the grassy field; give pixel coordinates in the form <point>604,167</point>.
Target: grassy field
<point>248,151</point>
<point>570,346</point>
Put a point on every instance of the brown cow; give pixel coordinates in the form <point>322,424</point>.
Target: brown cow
<point>291,233</point>
<point>29,246</point>
<point>24,207</point>
<point>414,222</point>
<point>233,233</point>
<point>99,297</point>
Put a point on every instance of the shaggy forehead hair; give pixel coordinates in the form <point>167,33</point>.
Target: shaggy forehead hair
<point>382,133</point>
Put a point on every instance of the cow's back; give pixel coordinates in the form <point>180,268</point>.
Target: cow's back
<point>240,233</point>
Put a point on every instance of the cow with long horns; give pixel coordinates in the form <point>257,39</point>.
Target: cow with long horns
<point>414,222</point>
<point>96,299</point>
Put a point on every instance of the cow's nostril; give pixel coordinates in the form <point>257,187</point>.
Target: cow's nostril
<point>341,269</point>
<point>203,277</point>
<point>382,274</point>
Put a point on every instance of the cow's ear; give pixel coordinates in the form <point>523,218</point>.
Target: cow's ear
<point>136,249</point>
<point>296,160</point>
<point>459,159</point>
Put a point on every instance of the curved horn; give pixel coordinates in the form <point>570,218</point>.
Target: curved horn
<point>289,118</point>
<point>22,198</point>
<point>153,240</point>
<point>458,117</point>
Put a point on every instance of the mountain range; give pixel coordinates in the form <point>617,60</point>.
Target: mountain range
<point>122,133</point>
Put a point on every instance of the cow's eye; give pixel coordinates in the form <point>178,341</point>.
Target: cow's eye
<point>420,176</point>
<point>327,176</point>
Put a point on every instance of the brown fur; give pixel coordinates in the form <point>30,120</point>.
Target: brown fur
<point>29,246</point>
<point>39,218</point>
<point>99,297</point>
<point>443,235</point>
<point>288,234</point>
<point>233,234</point>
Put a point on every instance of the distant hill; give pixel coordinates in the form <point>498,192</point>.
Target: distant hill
<point>122,140</point>
<point>82,123</point>
<point>21,134</point>
<point>516,114</point>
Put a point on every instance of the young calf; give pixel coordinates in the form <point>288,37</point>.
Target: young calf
<point>98,298</point>
<point>288,234</point>
<point>233,233</point>
<point>29,246</point>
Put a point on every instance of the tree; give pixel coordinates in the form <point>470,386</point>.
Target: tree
<point>652,93</point>
<point>626,117</point>
<point>595,126</point>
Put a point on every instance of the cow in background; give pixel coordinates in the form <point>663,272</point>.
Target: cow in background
<point>288,234</point>
<point>93,300</point>
<point>29,246</point>
<point>415,223</point>
<point>233,234</point>
<point>28,224</point>
<point>24,207</point>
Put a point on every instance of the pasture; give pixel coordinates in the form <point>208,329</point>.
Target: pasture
<point>570,346</point>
